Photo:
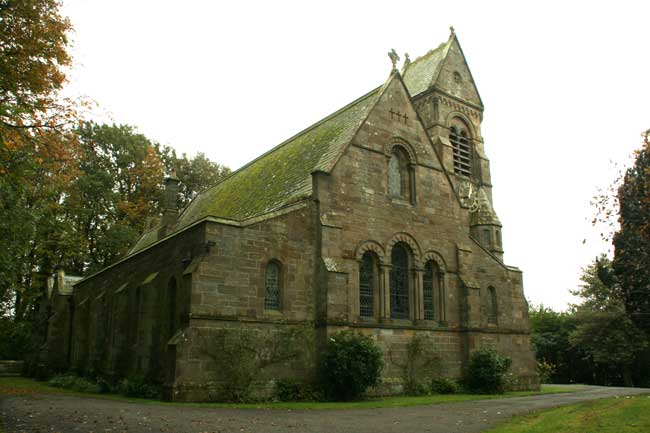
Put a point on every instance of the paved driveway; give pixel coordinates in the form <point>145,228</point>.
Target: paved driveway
<point>67,414</point>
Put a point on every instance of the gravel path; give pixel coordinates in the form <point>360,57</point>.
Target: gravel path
<point>68,414</point>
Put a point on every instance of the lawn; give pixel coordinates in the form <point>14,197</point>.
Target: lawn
<point>614,415</point>
<point>24,386</point>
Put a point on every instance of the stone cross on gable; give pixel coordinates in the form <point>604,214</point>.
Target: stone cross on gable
<point>394,58</point>
<point>400,117</point>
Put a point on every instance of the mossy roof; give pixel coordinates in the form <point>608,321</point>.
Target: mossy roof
<point>282,175</point>
<point>147,238</point>
<point>279,177</point>
<point>423,72</point>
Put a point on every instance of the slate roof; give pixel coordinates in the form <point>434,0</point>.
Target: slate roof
<point>423,72</point>
<point>279,177</point>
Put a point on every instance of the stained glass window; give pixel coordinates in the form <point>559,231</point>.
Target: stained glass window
<point>366,285</point>
<point>399,283</point>
<point>430,276</point>
<point>492,305</point>
<point>272,298</point>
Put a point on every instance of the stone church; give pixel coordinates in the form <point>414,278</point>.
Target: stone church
<point>377,218</point>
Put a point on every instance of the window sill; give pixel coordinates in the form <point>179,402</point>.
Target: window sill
<point>401,201</point>
<point>272,313</point>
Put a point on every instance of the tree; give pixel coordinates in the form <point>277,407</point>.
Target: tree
<point>36,149</point>
<point>605,332</point>
<point>33,53</point>
<point>119,191</point>
<point>195,174</point>
<point>550,332</point>
<point>119,194</point>
<point>632,241</point>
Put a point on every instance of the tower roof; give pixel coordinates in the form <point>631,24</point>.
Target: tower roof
<point>423,72</point>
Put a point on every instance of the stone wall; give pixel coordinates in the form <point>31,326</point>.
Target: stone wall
<point>125,315</point>
<point>358,214</point>
<point>228,291</point>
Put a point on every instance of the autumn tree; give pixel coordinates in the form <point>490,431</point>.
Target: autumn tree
<point>119,193</point>
<point>33,53</point>
<point>37,151</point>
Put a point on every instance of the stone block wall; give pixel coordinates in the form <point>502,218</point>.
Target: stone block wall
<point>124,316</point>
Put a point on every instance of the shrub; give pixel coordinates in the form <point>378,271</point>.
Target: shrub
<point>138,386</point>
<point>487,372</point>
<point>545,370</point>
<point>75,383</point>
<point>294,390</point>
<point>444,386</point>
<point>350,364</point>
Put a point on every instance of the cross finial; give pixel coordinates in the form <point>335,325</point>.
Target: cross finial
<point>394,58</point>
<point>452,30</point>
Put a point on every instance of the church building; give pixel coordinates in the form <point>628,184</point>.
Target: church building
<point>378,218</point>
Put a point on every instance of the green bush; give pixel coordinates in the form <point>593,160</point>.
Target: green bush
<point>444,386</point>
<point>75,383</point>
<point>350,364</point>
<point>487,372</point>
<point>138,386</point>
<point>294,390</point>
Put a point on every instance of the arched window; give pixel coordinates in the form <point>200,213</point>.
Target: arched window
<point>430,279</point>
<point>272,286</point>
<point>399,283</point>
<point>462,150</point>
<point>398,175</point>
<point>492,305</point>
<point>367,282</point>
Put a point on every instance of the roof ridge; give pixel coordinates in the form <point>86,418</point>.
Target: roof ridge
<point>282,144</point>
<point>428,53</point>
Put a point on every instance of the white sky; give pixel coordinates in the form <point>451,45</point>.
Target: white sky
<point>565,86</point>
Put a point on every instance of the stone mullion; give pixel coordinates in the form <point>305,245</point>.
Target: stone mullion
<point>442,315</point>
<point>418,298</point>
<point>384,289</point>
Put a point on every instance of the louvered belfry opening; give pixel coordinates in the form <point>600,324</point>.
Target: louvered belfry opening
<point>462,151</point>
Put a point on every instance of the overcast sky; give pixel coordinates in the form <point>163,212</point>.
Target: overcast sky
<point>565,85</point>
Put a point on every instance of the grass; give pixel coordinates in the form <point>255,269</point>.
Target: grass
<point>24,386</point>
<point>613,415</point>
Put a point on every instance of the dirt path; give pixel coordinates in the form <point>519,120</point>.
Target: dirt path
<point>67,414</point>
